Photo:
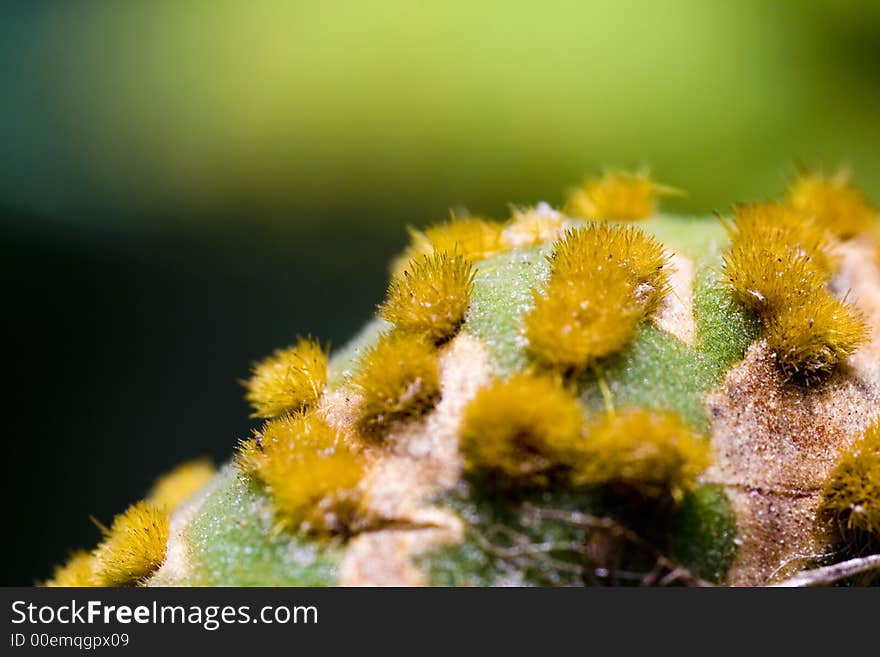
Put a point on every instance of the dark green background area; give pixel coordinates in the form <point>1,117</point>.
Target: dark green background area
<point>123,358</point>
<point>186,186</point>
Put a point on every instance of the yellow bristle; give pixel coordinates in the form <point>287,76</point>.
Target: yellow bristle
<point>569,331</point>
<point>430,298</point>
<point>530,226</point>
<point>651,453</point>
<point>475,238</point>
<point>398,378</point>
<point>782,227</point>
<point>813,335</point>
<point>134,547</point>
<point>522,431</point>
<point>180,484</point>
<point>851,498</point>
<point>289,380</point>
<point>778,266</point>
<point>78,571</point>
<point>616,196</point>
<point>249,454</point>
<point>767,274</point>
<point>589,251</point>
<point>311,472</point>
<point>833,202</point>
<point>603,281</point>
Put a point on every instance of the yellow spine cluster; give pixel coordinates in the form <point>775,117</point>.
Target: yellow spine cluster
<point>648,452</point>
<point>833,202</point>
<point>851,499</point>
<point>530,226</point>
<point>809,339</point>
<point>785,228</point>
<point>604,280</point>
<point>529,430</point>
<point>616,196</point>
<point>778,265</point>
<point>398,378</point>
<point>78,571</point>
<point>475,238</point>
<point>174,488</point>
<point>134,546</point>
<point>289,380</point>
<point>522,431</point>
<point>431,296</point>
<point>312,473</point>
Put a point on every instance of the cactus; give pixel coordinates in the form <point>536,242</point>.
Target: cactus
<point>602,395</point>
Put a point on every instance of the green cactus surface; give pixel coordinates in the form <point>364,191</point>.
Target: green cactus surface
<point>688,436</point>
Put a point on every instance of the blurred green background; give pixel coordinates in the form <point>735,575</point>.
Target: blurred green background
<point>187,185</point>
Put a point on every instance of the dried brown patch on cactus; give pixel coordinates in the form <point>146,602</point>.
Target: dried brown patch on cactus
<point>776,443</point>
<point>675,314</point>
<point>385,557</point>
<point>859,278</point>
<point>419,460</point>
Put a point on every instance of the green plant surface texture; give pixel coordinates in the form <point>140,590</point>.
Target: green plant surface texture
<point>503,546</point>
<point>345,358</point>
<point>703,533</point>
<point>233,541</point>
<point>502,293</point>
<point>496,529</point>
<point>655,370</point>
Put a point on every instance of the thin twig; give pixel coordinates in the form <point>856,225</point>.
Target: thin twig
<point>676,572</point>
<point>523,548</point>
<point>833,573</point>
<point>540,552</point>
<point>586,520</point>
